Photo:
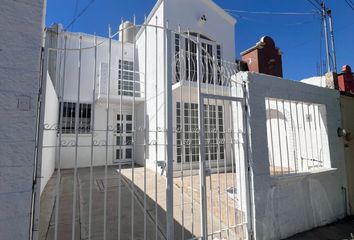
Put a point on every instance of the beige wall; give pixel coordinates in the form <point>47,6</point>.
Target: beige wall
<point>347,105</point>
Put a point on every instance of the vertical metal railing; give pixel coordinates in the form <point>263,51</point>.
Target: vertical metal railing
<point>294,136</point>
<point>210,203</point>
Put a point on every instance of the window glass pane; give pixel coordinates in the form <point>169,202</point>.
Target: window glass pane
<point>119,140</point>
<point>128,140</point>
<point>129,127</point>
<point>129,117</point>
<point>68,117</point>
<point>119,128</point>
<point>128,153</point>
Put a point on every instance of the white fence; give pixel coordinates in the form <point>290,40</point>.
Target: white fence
<point>163,156</point>
<point>297,136</point>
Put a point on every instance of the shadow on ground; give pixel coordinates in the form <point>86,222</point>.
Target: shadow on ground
<point>118,222</point>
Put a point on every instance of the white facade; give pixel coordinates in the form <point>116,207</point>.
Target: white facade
<point>219,28</point>
<point>279,193</point>
<point>291,203</point>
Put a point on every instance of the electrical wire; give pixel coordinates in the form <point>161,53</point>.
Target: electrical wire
<point>350,4</point>
<point>80,14</point>
<point>269,13</point>
<point>313,4</point>
<point>279,24</point>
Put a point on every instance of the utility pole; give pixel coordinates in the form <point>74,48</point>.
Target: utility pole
<point>324,18</point>
<point>331,53</point>
<point>334,59</point>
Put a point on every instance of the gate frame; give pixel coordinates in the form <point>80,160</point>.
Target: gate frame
<point>202,168</point>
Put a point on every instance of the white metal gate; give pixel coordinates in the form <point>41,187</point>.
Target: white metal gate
<point>184,174</point>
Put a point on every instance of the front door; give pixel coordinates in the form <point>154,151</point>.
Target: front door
<point>123,138</point>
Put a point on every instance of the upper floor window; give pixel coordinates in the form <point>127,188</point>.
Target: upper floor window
<point>126,78</point>
<point>68,120</point>
<point>186,64</point>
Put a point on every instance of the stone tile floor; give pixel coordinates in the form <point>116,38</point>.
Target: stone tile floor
<point>119,192</point>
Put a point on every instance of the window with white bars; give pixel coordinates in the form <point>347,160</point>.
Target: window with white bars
<point>69,118</point>
<point>177,57</point>
<point>210,59</point>
<point>189,132</point>
<point>297,136</point>
<point>126,78</point>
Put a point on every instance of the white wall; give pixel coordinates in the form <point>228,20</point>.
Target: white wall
<point>297,136</point>
<point>155,79</point>
<point>50,133</point>
<point>316,81</point>
<point>67,149</point>
<point>21,41</point>
<point>186,14</point>
<point>287,205</point>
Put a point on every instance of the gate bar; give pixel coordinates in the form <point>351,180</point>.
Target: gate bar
<point>169,109</point>
<point>221,97</point>
<point>202,174</point>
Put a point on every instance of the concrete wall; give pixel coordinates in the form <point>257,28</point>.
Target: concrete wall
<point>347,106</point>
<point>50,133</point>
<point>21,41</point>
<point>284,206</point>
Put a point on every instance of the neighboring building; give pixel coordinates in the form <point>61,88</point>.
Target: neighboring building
<point>344,82</point>
<point>264,58</point>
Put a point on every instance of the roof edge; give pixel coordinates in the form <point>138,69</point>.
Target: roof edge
<point>221,11</point>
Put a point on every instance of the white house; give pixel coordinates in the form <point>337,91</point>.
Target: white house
<point>143,86</point>
<point>120,101</point>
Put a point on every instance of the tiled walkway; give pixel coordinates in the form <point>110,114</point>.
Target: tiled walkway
<point>119,192</point>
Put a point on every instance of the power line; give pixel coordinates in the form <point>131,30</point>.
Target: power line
<point>350,4</point>
<point>80,14</point>
<point>313,4</point>
<point>269,13</point>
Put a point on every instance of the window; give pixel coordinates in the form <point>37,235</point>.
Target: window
<point>119,140</point>
<point>128,153</point>
<point>218,58</point>
<point>191,60</point>
<point>119,154</point>
<point>208,52</point>
<point>69,117</point>
<point>128,140</point>
<point>213,130</point>
<point>129,127</point>
<point>126,79</point>
<point>119,128</point>
<point>297,138</point>
<point>208,65</point>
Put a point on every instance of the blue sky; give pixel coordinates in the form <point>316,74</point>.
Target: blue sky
<point>298,36</point>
